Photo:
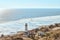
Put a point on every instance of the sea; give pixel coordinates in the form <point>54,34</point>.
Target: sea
<point>33,17</point>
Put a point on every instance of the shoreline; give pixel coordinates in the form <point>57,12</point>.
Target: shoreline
<point>44,30</point>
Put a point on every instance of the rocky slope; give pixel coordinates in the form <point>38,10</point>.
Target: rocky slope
<point>50,32</point>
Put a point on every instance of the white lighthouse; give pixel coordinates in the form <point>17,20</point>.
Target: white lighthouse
<point>26,27</point>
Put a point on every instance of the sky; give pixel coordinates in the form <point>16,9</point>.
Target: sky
<point>29,3</point>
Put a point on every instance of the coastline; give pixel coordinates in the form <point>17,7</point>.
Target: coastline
<point>47,32</point>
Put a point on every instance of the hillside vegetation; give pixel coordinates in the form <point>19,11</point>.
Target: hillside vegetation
<point>46,32</point>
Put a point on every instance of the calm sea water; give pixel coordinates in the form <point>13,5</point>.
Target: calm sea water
<point>35,18</point>
<point>16,14</point>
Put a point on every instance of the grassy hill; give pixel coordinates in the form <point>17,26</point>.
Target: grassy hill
<point>46,32</point>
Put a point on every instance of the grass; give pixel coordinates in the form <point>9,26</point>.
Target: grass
<point>49,34</point>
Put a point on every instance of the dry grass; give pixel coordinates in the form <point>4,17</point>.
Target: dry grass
<point>49,34</point>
